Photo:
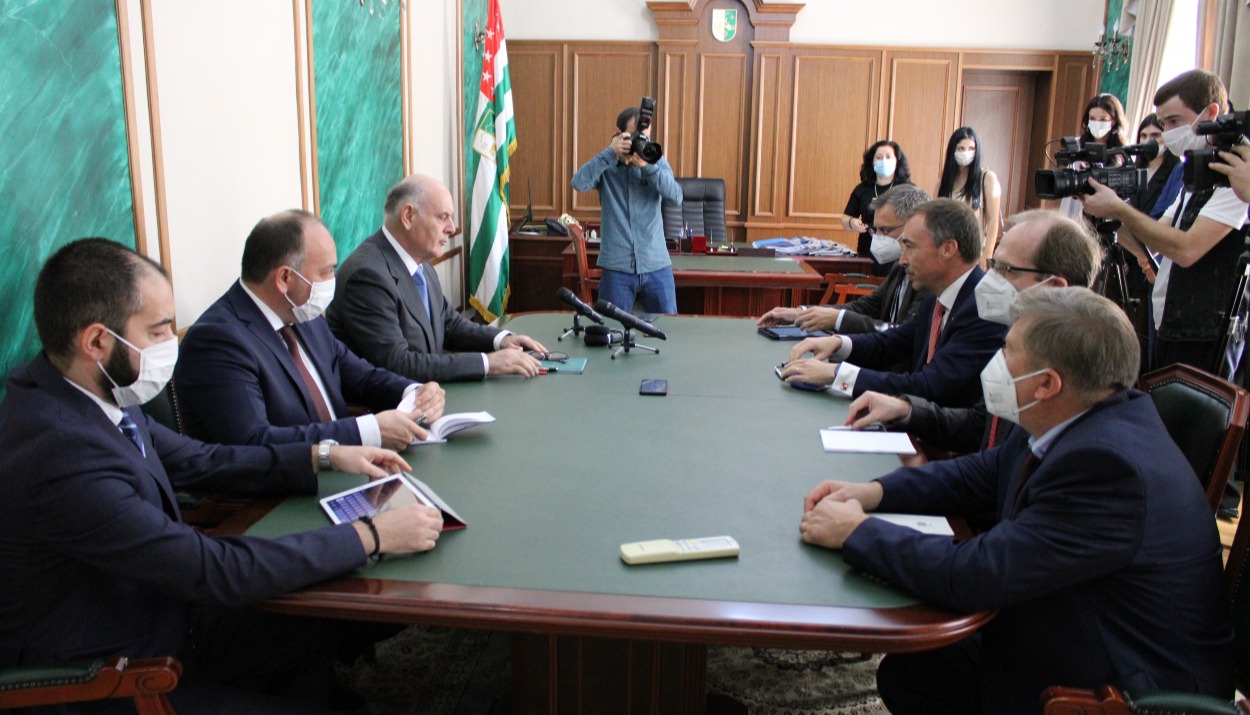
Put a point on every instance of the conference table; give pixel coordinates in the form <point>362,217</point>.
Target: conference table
<point>578,464</point>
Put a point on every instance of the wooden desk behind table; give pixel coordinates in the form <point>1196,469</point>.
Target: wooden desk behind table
<point>541,264</point>
<point>577,465</point>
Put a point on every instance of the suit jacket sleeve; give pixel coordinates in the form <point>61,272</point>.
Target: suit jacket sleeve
<point>1082,522</point>
<point>367,308</point>
<point>865,315</point>
<point>219,381</point>
<point>135,539</point>
<point>952,378</point>
<point>235,471</point>
<point>363,382</point>
<point>958,429</point>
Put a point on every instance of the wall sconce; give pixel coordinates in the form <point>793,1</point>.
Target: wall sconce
<point>1114,51</point>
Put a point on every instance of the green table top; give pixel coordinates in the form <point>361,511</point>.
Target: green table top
<point>576,465</point>
<point>735,264</point>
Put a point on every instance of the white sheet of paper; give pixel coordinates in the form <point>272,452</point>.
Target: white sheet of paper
<point>923,523</point>
<point>844,439</point>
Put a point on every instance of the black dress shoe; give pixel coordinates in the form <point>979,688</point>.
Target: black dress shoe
<point>1229,513</point>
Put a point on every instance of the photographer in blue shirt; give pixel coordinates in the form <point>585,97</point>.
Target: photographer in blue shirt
<point>632,254</point>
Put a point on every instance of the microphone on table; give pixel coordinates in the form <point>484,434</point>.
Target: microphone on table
<point>629,320</point>
<point>566,295</point>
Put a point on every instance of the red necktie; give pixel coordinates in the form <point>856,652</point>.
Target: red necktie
<point>288,337</point>
<point>993,431</point>
<point>935,329</point>
<point>1026,471</point>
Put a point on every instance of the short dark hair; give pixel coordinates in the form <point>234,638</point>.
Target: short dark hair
<point>953,220</point>
<point>274,242</point>
<point>622,119</point>
<point>1196,88</point>
<point>902,172</point>
<point>87,281</point>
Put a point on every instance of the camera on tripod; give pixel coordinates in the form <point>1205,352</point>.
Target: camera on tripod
<point>1124,180</point>
<point>1224,131</point>
<point>639,144</point>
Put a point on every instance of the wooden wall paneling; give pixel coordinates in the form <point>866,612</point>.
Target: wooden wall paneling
<point>998,105</point>
<point>723,126</point>
<point>1043,100</point>
<point>1000,60</point>
<point>676,106</point>
<point>605,77</point>
<point>921,111</point>
<point>768,162</point>
<point>1076,84</point>
<point>536,70</point>
<point>834,117</point>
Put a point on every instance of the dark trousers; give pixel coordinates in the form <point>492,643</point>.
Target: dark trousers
<point>934,682</point>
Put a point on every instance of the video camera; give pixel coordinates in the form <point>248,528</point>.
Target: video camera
<point>1124,180</point>
<point>1224,131</point>
<point>640,144</point>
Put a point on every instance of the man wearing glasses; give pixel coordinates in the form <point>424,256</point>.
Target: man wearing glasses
<point>893,301</point>
<point>945,341</point>
<point>1041,248</point>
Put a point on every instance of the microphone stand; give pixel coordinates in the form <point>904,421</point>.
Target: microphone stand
<point>627,342</point>
<point>575,331</point>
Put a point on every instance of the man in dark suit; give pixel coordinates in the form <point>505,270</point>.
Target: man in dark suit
<point>945,340</point>
<point>893,302</point>
<point>1042,248</point>
<point>1104,564</point>
<point>260,366</point>
<point>389,305</point>
<point>94,557</point>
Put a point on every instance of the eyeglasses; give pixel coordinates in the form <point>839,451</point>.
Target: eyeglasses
<point>884,231</point>
<point>548,356</point>
<point>1006,268</point>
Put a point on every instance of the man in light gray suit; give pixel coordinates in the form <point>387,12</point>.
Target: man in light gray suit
<point>389,306</point>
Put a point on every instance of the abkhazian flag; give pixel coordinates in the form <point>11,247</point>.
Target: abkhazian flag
<point>494,140</point>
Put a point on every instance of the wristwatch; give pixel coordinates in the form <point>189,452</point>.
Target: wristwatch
<point>323,454</point>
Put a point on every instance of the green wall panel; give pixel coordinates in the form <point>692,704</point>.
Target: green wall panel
<point>474,16</point>
<point>359,100</point>
<point>64,168</point>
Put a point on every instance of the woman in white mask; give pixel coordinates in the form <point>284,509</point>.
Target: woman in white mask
<point>884,166</point>
<point>1157,169</point>
<point>964,177</point>
<point>1105,124</point>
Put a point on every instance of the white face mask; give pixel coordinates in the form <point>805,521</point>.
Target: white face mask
<point>996,295</point>
<point>885,249</point>
<point>1099,129</point>
<point>156,366</point>
<point>884,167</point>
<point>999,389</point>
<point>318,300</point>
<point>965,157</point>
<point>1178,140</point>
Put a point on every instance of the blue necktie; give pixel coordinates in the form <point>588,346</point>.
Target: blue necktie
<point>419,279</point>
<point>131,430</point>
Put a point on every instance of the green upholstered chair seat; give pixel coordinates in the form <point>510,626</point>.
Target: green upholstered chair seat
<point>1166,702</point>
<point>37,676</point>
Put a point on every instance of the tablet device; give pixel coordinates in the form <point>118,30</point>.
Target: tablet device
<point>790,332</point>
<point>371,499</point>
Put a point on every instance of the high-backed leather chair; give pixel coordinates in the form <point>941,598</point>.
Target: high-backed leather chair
<point>702,210</point>
<point>1206,417</point>
<point>587,277</point>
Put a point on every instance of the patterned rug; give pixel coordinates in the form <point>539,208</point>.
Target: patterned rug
<point>796,682</point>
<point>446,671</point>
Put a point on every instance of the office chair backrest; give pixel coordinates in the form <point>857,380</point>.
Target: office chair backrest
<point>702,210</point>
<point>1206,417</point>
